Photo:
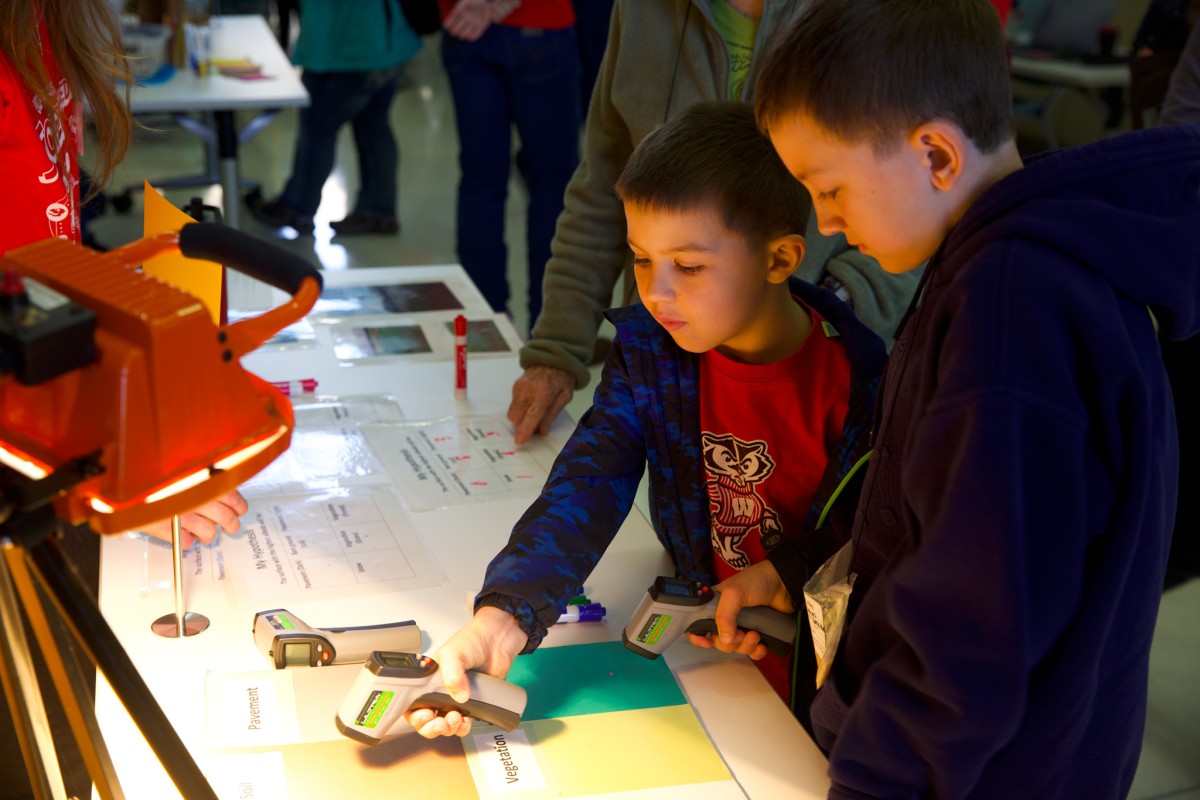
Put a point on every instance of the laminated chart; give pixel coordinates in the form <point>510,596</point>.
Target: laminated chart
<point>328,449</point>
<point>600,721</point>
<point>459,460</point>
<point>320,545</point>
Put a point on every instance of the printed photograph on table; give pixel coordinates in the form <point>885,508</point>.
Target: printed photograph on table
<point>483,336</point>
<point>309,547</point>
<point>328,449</point>
<point>406,298</point>
<point>430,339</point>
<point>297,336</point>
<point>379,341</point>
<point>460,460</point>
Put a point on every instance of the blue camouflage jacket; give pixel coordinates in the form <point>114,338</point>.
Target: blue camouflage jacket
<point>646,410</point>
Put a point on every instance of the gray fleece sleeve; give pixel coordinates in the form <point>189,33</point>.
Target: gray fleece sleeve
<point>589,251</point>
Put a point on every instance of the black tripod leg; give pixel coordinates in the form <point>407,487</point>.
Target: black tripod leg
<point>20,683</point>
<point>77,607</point>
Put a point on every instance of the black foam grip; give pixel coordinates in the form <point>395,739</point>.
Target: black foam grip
<point>501,717</point>
<point>247,254</point>
<point>708,627</point>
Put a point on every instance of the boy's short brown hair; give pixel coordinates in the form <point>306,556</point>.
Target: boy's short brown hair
<point>874,70</point>
<point>714,155</point>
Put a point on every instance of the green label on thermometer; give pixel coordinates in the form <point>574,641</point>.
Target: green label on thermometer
<point>654,627</point>
<point>374,708</point>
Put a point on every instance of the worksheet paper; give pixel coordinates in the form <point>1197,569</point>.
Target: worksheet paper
<point>319,545</point>
<point>600,721</point>
<point>460,460</point>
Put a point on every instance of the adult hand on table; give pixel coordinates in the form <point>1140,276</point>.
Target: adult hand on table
<point>489,643</point>
<point>537,398</point>
<point>757,585</point>
<point>201,522</point>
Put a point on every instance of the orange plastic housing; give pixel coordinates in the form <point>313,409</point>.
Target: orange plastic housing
<point>175,417</point>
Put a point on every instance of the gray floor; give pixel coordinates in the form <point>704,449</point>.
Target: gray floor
<point>423,119</point>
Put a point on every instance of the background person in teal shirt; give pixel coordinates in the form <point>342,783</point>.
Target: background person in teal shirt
<point>352,54</point>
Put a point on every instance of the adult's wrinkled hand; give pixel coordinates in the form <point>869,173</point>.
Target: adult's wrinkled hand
<point>537,398</point>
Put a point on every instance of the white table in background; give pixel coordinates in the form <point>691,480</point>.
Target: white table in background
<point>766,750</point>
<point>1061,74</point>
<point>238,36</point>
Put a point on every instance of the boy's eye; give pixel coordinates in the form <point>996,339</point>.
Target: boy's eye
<point>688,269</point>
<point>830,195</point>
<point>640,262</point>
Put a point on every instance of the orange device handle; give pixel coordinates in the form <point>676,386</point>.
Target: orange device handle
<point>249,255</point>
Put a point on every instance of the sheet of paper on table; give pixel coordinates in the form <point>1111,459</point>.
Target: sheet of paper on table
<point>320,545</point>
<point>449,462</point>
<point>600,721</point>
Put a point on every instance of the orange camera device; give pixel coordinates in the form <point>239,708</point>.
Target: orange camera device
<point>121,402</point>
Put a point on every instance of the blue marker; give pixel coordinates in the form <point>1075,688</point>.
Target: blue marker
<point>588,612</point>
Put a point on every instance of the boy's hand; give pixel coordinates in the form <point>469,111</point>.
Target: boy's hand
<point>537,398</point>
<point>489,643</point>
<point>756,585</point>
<point>202,522</point>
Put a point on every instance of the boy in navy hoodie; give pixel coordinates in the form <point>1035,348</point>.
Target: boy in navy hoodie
<point>1014,524</point>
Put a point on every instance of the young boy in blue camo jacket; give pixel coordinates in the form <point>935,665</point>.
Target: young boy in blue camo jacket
<point>746,392</point>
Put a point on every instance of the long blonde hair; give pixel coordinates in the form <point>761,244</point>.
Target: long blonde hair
<point>85,38</point>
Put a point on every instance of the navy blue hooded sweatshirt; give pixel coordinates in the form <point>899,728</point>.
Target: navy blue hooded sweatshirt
<point>1015,521</point>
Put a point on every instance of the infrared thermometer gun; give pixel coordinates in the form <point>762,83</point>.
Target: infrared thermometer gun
<point>286,639</point>
<point>674,606</point>
<point>392,683</point>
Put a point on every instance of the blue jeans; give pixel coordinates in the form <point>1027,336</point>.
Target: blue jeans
<point>528,78</point>
<point>363,100</point>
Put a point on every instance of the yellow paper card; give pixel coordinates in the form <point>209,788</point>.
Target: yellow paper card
<point>201,279</point>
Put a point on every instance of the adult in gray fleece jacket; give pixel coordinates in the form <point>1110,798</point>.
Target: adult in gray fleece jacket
<point>663,56</point>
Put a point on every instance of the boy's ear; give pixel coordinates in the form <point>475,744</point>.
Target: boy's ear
<point>785,253</point>
<point>942,148</point>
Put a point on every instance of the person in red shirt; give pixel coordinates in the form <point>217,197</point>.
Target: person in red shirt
<point>44,81</point>
<point>511,64</point>
<point>741,392</point>
<point>75,55</point>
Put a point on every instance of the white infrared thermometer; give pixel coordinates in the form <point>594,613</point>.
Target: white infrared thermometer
<point>674,606</point>
<point>290,642</point>
<point>392,683</point>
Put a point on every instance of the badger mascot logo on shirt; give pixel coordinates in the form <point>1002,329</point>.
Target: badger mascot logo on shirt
<point>734,467</point>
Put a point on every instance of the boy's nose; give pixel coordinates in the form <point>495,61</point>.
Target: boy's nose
<point>830,224</point>
<point>656,285</point>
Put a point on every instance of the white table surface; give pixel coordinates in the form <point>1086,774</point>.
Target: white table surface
<point>1073,74</point>
<point>765,748</point>
<point>234,36</point>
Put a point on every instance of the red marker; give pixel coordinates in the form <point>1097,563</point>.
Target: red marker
<point>460,356</point>
<point>292,388</point>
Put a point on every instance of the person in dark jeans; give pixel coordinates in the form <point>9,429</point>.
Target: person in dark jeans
<point>353,56</point>
<point>522,70</point>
